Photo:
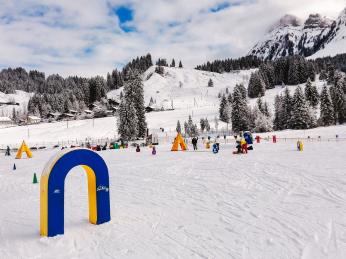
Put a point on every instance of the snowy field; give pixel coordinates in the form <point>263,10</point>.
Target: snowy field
<point>274,202</point>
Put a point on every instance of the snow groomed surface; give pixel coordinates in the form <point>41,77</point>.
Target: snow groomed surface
<point>274,202</point>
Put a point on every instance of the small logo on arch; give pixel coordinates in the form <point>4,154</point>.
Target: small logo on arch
<point>102,188</point>
<point>56,191</point>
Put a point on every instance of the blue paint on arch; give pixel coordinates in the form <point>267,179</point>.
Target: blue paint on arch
<point>56,184</point>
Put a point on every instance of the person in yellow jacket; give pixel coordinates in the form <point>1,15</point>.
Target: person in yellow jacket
<point>243,145</point>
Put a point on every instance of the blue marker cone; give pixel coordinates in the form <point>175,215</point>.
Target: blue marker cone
<point>14,167</point>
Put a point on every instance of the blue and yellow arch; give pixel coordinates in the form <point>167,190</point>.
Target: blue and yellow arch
<point>52,189</point>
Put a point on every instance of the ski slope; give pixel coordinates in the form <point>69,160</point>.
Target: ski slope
<point>186,88</point>
<point>20,97</point>
<point>275,202</point>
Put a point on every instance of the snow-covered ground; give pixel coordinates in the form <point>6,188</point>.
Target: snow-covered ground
<point>274,202</point>
<point>187,88</point>
<point>20,97</point>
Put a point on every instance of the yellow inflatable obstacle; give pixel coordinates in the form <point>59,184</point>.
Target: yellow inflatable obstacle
<point>300,145</point>
<point>179,141</point>
<point>23,148</point>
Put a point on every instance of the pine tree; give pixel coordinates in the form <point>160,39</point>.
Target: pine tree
<point>180,64</point>
<point>190,126</point>
<point>178,128</point>
<point>301,116</point>
<point>224,110</point>
<point>240,112</point>
<point>242,89</point>
<point>202,124</point>
<point>339,101</point>
<point>210,83</point>
<point>160,70</point>
<point>230,98</point>
<point>323,75</point>
<point>127,122</point>
<point>134,93</point>
<point>173,63</point>
<point>256,86</point>
<point>286,109</point>
<point>266,111</point>
<point>207,125</point>
<point>260,105</point>
<point>311,94</point>
<point>278,113</point>
<point>97,89</point>
<point>186,129</point>
<point>262,123</point>
<point>326,108</point>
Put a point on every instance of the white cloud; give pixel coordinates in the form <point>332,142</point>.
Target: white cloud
<point>84,37</point>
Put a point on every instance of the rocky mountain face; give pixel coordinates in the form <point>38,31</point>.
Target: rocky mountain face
<point>290,36</point>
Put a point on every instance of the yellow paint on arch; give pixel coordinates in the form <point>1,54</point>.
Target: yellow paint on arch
<point>44,193</point>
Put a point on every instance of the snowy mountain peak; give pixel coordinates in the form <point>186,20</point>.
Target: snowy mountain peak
<point>317,21</point>
<point>289,36</point>
<point>286,21</point>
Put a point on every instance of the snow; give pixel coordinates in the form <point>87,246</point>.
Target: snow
<point>274,202</point>
<point>187,88</point>
<point>20,97</point>
<point>193,98</point>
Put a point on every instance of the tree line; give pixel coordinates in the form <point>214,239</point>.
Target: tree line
<point>58,94</point>
<point>228,65</point>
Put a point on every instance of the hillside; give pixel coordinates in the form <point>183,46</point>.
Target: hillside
<point>186,87</point>
<point>19,97</point>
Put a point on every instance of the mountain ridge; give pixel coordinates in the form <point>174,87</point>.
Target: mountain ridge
<point>292,36</point>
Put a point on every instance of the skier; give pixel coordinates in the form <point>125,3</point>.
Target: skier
<point>194,143</point>
<point>217,142</point>
<point>8,151</point>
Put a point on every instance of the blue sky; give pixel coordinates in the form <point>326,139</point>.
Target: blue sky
<point>90,37</point>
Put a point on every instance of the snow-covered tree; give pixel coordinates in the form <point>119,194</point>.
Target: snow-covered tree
<point>202,124</point>
<point>301,116</point>
<point>286,109</point>
<point>210,83</point>
<point>224,110</point>
<point>207,125</point>
<point>326,108</point>
<point>186,129</point>
<point>278,113</point>
<point>240,112</point>
<point>134,93</point>
<point>173,63</point>
<point>127,122</point>
<point>256,86</point>
<point>311,94</point>
<point>178,128</point>
<point>262,122</point>
<point>339,101</point>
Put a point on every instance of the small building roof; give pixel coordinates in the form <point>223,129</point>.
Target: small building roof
<point>68,114</point>
<point>55,113</point>
<point>32,117</point>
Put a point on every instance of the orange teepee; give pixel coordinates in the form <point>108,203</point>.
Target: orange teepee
<point>23,148</point>
<point>179,141</point>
